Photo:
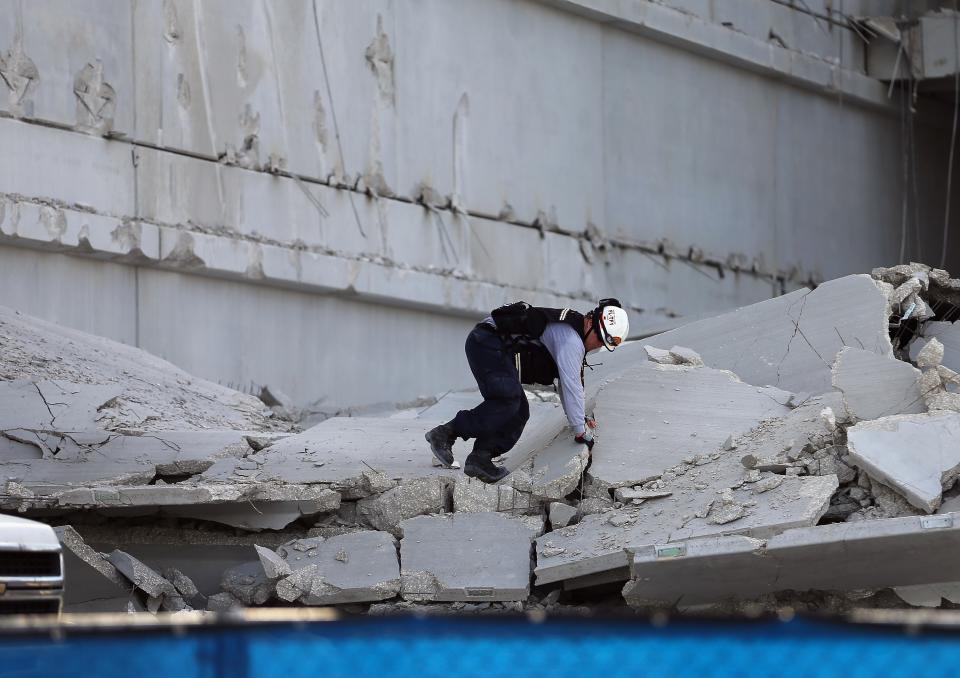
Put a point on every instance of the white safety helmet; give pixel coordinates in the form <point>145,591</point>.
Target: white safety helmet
<point>611,323</point>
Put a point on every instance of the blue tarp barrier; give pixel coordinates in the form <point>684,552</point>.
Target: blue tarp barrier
<point>458,647</point>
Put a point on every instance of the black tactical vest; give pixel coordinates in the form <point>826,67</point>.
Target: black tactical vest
<point>521,326</point>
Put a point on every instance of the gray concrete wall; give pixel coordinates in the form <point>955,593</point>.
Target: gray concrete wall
<point>234,185</point>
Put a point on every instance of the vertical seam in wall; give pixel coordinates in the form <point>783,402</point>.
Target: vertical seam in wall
<point>133,160</point>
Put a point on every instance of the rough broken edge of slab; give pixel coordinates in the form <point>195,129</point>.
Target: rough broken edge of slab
<point>421,586</point>
<point>762,562</point>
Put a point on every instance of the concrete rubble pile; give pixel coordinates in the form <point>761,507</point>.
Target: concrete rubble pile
<point>804,445</point>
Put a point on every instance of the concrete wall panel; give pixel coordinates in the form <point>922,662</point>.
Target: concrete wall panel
<point>309,346</point>
<point>88,295</point>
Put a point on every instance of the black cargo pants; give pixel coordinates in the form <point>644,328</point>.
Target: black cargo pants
<point>498,421</point>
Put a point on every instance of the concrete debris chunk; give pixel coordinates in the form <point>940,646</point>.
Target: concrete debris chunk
<point>947,334</point>
<point>412,498</point>
<point>472,496</point>
<point>931,355</point>
<point>561,514</point>
<point>659,355</point>
<point>222,602</point>
<point>555,471</point>
<point>274,566</point>
<point>838,557</point>
<point>182,583</point>
<point>349,568</point>
<point>625,494</point>
<point>71,540</point>
<point>686,356</point>
<point>790,341</point>
<point>142,576</point>
<point>247,583</point>
<point>875,386</point>
<point>465,557</point>
<point>918,455</point>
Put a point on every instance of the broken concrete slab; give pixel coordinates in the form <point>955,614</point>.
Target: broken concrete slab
<point>52,405</point>
<point>555,471</point>
<point>474,496</point>
<point>411,498</point>
<point>916,454</point>
<point>38,350</point>
<point>703,498</point>
<point>791,341</point>
<point>91,582</point>
<point>875,386</point>
<point>841,556</point>
<point>349,568</point>
<point>142,576</point>
<point>254,515</point>
<point>654,416</point>
<point>465,557</point>
<point>929,595</point>
<point>356,457</point>
<point>183,584</point>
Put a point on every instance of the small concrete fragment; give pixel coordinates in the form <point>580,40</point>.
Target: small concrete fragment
<point>349,568</point>
<point>221,602</point>
<point>916,454</point>
<point>466,557</point>
<point>948,334</point>
<point>182,583</point>
<point>561,514</point>
<point>875,386</point>
<point>686,356</point>
<point>931,355</point>
<point>247,583</point>
<point>273,565</point>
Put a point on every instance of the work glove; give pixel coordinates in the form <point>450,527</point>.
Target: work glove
<point>586,438</point>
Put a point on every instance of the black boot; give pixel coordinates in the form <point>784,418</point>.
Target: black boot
<point>479,466</point>
<point>441,441</point>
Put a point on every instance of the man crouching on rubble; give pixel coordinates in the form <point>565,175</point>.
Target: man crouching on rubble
<point>522,344</point>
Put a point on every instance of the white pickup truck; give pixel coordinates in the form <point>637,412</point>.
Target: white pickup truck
<point>31,567</point>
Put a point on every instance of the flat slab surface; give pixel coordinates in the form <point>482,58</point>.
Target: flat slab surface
<point>351,568</point>
<point>466,557</point>
<point>790,341</point>
<point>841,556</point>
<point>654,416</point>
<point>52,405</point>
<point>875,386</point>
<point>341,452</point>
<point>915,454</point>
